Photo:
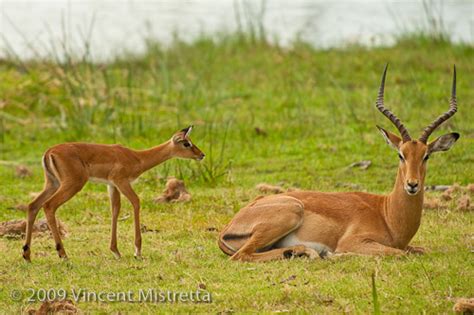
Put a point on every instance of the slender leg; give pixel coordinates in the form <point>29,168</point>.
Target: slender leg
<point>50,187</point>
<point>128,192</point>
<point>65,192</point>
<point>115,207</point>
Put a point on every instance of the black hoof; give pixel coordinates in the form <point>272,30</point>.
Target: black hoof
<point>287,254</point>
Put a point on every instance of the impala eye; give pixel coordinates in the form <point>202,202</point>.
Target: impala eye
<point>187,144</point>
<point>401,157</point>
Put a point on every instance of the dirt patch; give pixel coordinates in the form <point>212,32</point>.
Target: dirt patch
<point>21,207</point>
<point>464,203</point>
<point>464,306</point>
<point>17,228</point>
<point>55,307</point>
<point>470,188</point>
<point>432,204</point>
<point>453,197</point>
<point>175,192</point>
<point>21,171</point>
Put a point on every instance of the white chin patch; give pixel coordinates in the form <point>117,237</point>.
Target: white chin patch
<point>411,193</point>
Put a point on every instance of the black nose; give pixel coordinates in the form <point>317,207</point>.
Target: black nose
<point>412,185</point>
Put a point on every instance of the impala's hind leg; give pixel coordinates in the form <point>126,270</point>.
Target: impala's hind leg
<point>72,176</point>
<point>50,187</point>
<point>66,191</point>
<point>253,231</point>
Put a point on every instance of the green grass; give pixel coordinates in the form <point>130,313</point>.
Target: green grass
<point>317,108</point>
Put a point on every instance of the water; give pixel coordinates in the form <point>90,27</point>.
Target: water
<point>39,28</point>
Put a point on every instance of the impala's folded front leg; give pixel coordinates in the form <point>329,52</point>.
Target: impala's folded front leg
<point>260,239</point>
<point>251,235</point>
<point>366,247</point>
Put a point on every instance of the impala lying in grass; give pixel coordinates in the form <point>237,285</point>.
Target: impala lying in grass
<point>315,224</point>
<point>68,167</point>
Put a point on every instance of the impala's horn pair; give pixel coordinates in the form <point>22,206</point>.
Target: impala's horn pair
<point>453,107</point>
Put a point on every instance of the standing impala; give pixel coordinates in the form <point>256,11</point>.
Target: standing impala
<point>313,224</point>
<point>68,167</point>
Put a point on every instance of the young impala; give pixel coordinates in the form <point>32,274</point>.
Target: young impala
<point>68,167</point>
<point>314,224</point>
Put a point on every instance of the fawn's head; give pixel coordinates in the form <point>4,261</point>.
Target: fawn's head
<point>183,146</point>
<point>414,154</point>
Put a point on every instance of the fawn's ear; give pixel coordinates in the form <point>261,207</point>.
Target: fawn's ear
<point>443,143</point>
<point>393,140</point>
<point>182,135</point>
<point>187,131</point>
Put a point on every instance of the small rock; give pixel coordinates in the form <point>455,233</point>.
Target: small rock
<point>145,229</point>
<point>363,165</point>
<point>260,132</point>
<point>267,188</point>
<point>437,188</point>
<point>290,278</point>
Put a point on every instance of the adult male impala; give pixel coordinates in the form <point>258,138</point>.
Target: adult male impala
<point>313,224</point>
<point>68,167</point>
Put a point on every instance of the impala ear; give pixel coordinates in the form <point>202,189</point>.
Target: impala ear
<point>187,131</point>
<point>392,139</point>
<point>443,143</point>
<point>182,135</point>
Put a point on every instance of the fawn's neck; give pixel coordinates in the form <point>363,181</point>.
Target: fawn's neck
<point>152,157</point>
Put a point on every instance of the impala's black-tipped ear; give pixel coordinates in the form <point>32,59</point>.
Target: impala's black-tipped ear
<point>443,143</point>
<point>187,131</point>
<point>391,139</point>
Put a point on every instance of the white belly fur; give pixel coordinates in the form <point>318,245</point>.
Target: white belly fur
<point>292,240</point>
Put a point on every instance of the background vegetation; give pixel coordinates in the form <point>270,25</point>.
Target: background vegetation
<point>316,110</point>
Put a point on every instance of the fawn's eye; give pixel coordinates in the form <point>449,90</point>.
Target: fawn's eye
<point>186,144</point>
<point>401,157</point>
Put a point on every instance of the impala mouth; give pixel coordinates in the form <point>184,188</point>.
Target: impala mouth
<point>411,191</point>
<point>200,158</point>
